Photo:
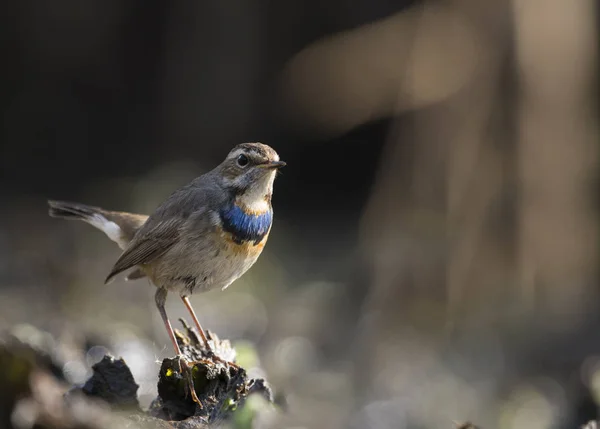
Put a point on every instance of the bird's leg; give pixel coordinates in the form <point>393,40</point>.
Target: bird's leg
<point>160,298</point>
<point>207,345</point>
<point>184,368</point>
<point>188,305</point>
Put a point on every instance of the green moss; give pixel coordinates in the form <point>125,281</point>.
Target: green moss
<point>244,416</point>
<point>229,405</point>
<point>246,354</point>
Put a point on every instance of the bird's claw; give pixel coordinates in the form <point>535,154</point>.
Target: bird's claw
<point>186,371</point>
<point>211,355</point>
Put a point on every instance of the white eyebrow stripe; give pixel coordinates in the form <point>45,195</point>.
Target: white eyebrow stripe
<point>236,152</point>
<point>251,152</point>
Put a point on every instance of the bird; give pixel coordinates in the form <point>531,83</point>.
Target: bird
<point>204,236</point>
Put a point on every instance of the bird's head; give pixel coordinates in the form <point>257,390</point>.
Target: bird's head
<point>249,172</point>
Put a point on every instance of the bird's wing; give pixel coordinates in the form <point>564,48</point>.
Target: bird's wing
<point>153,241</point>
<point>164,227</point>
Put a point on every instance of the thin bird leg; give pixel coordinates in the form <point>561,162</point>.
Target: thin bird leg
<point>188,305</point>
<point>160,298</point>
<point>184,368</point>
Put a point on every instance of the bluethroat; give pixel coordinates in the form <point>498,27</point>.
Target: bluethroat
<point>205,235</point>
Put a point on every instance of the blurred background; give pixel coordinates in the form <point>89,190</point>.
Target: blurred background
<point>434,256</point>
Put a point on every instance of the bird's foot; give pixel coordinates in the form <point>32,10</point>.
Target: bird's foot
<point>211,355</point>
<point>202,342</point>
<point>185,369</point>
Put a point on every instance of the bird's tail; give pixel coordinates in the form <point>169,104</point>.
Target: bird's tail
<point>120,227</point>
<point>67,210</point>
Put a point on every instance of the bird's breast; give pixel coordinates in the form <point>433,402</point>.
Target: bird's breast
<point>246,227</point>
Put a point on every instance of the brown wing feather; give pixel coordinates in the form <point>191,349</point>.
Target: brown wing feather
<point>147,246</point>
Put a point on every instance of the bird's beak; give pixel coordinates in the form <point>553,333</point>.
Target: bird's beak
<point>272,165</point>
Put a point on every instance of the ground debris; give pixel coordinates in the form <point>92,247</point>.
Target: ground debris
<point>34,391</point>
<point>113,382</point>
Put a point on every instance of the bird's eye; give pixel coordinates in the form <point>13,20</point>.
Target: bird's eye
<point>242,160</point>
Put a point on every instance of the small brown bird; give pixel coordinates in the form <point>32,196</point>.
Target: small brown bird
<point>204,236</point>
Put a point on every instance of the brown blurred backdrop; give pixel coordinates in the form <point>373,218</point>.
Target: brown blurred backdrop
<point>435,250</point>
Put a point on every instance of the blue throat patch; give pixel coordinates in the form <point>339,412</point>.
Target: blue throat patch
<point>244,226</point>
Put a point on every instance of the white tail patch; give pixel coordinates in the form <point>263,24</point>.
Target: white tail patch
<point>111,229</point>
